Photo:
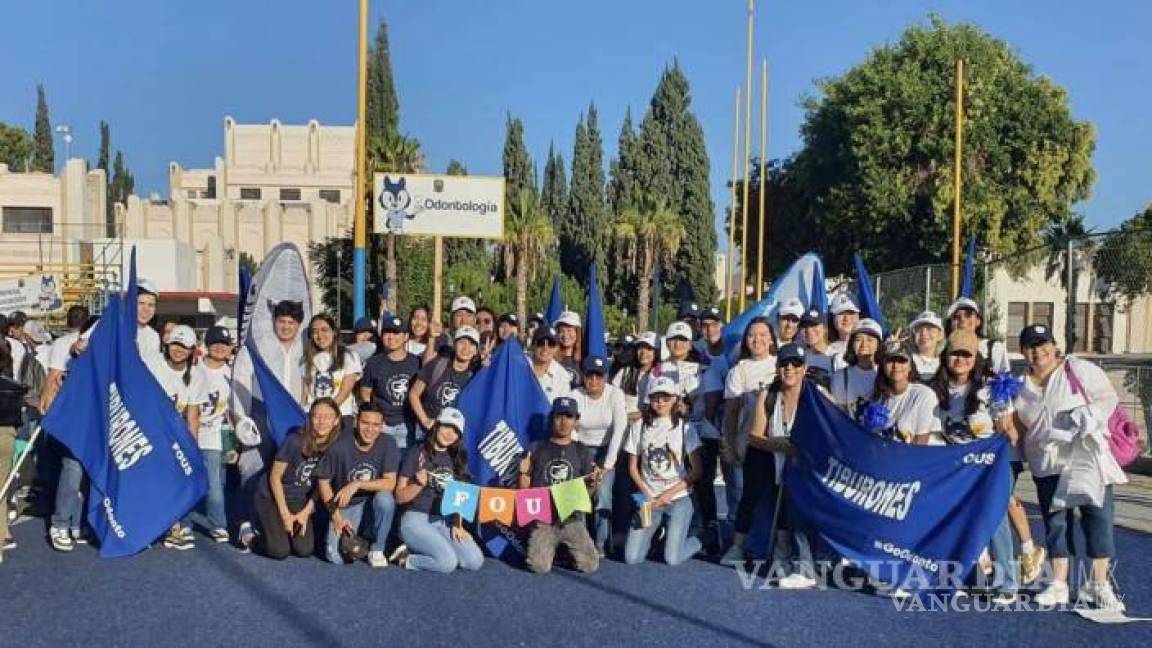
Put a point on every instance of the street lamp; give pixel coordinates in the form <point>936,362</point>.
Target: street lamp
<point>65,132</point>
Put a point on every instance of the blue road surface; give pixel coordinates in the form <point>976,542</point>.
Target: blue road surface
<point>214,595</point>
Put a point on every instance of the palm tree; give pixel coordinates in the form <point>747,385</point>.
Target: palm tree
<point>395,153</point>
<point>1068,245</point>
<point>528,236</point>
<point>651,235</point>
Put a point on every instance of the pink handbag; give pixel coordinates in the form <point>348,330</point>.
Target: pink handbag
<point>1123,433</point>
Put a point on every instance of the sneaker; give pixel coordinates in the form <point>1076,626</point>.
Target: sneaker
<point>78,537</point>
<point>1100,596</point>
<point>9,543</point>
<point>220,535</point>
<point>1055,593</point>
<point>796,582</point>
<point>60,539</point>
<point>1003,599</point>
<point>985,563</point>
<point>399,556</point>
<point>734,555</point>
<point>900,594</point>
<point>186,533</point>
<point>247,536</point>
<point>1032,564</point>
<point>176,540</point>
<point>377,559</point>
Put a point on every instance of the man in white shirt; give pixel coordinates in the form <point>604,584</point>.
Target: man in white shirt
<point>554,379</point>
<point>147,339</point>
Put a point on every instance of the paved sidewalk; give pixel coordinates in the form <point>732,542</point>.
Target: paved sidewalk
<point>1133,501</point>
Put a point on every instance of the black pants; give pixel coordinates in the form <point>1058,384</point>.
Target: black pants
<point>759,482</point>
<point>274,541</point>
<point>705,491</point>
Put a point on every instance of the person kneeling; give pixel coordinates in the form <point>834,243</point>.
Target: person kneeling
<point>559,459</point>
<point>359,464</point>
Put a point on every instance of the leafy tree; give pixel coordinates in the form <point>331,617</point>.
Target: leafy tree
<point>651,235</point>
<point>528,238</point>
<point>1067,246</point>
<point>1124,260</point>
<point>876,169</point>
<point>472,253</point>
<point>15,148</point>
<point>43,153</point>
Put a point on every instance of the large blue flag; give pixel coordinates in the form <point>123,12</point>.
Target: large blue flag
<point>966,284</point>
<point>504,411</point>
<point>866,297</point>
<point>144,466</point>
<point>789,285</point>
<point>594,344</point>
<point>893,507</point>
<point>555,303</point>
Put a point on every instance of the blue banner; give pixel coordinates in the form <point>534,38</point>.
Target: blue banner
<point>555,303</point>
<point>966,284</point>
<point>866,296</point>
<point>594,344</point>
<point>144,466</point>
<point>281,412</point>
<point>893,506</point>
<point>504,411</point>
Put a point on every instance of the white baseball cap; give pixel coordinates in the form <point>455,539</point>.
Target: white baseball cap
<point>146,285</point>
<point>568,318</point>
<point>664,385</point>
<point>926,318</point>
<point>842,303</point>
<point>869,326</point>
<point>963,302</point>
<point>463,302</point>
<point>648,338</point>
<point>467,332</point>
<point>792,306</point>
<point>184,336</point>
<point>678,330</point>
<point>452,417</point>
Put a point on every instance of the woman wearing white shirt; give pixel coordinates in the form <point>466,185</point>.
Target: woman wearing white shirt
<point>845,315</point>
<point>965,315</point>
<point>631,379</point>
<point>602,426</point>
<point>554,379</point>
<point>330,370</point>
<point>855,383</point>
<point>755,369</point>
<point>927,332</point>
<point>911,406</point>
<point>1049,410</point>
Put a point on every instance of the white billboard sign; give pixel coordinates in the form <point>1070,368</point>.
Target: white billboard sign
<point>35,294</point>
<point>438,205</point>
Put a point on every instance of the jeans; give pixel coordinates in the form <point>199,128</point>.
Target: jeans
<point>383,508</point>
<point>678,547</point>
<point>69,499</point>
<point>705,495</point>
<point>760,470</point>
<point>431,546</point>
<point>733,486</point>
<point>401,432</point>
<point>604,509</point>
<point>1095,521</point>
<point>1003,552</point>
<point>213,504</point>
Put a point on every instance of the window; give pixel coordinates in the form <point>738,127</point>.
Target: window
<point>287,193</point>
<point>1100,333</point>
<point>1017,320</point>
<point>330,195</point>
<point>192,193</point>
<point>211,192</point>
<point>27,220</point>
<point>1042,313</point>
<point>249,193</point>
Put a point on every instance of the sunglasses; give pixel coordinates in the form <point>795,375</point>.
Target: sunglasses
<point>792,362</point>
<point>897,360</point>
<point>960,354</point>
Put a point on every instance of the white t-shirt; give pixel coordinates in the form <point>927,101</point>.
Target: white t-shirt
<point>686,374</point>
<point>556,382</point>
<point>214,409</point>
<point>979,424</point>
<point>195,393</point>
<point>603,421</point>
<point>925,367</point>
<point>662,452</point>
<point>44,355</point>
<point>749,375</point>
<point>996,354</point>
<point>416,348</point>
<point>631,401</point>
<point>17,350</point>
<point>326,380</point>
<point>148,344</point>
<point>914,412</point>
<point>60,357</point>
<point>852,385</point>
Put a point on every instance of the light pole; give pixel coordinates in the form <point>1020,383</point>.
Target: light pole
<point>339,287</point>
<point>65,132</point>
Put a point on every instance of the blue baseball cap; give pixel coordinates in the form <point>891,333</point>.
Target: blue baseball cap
<point>595,364</point>
<point>565,406</point>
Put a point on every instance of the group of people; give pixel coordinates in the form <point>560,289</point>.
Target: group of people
<point>649,430</point>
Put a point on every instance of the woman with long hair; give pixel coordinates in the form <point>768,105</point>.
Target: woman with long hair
<point>432,542</point>
<point>853,385</point>
<point>284,503</point>
<point>927,333</point>
<point>419,330</point>
<point>632,377</point>
<point>909,407</point>
<point>964,314</point>
<point>329,369</point>
<point>570,338</point>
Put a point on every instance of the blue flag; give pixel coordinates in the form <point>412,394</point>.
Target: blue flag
<point>892,507</point>
<point>504,411</point>
<point>866,297</point>
<point>242,303</point>
<point>555,303</point>
<point>787,286</point>
<point>280,410</point>
<point>969,269</point>
<point>144,466</point>
<point>594,344</point>
<point>818,295</point>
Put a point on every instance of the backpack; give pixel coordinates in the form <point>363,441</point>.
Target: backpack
<point>1123,433</point>
<point>33,376</point>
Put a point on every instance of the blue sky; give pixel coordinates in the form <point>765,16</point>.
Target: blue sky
<point>165,74</point>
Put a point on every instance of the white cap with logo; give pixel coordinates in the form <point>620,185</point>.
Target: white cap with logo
<point>568,318</point>
<point>463,302</point>
<point>184,336</point>
<point>467,332</point>
<point>678,330</point>
<point>451,417</point>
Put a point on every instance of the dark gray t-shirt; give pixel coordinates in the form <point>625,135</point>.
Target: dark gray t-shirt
<point>345,462</point>
<point>445,389</point>
<point>440,472</point>
<point>299,475</point>
<point>389,380</point>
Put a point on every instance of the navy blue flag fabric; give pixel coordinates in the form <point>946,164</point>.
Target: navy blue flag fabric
<point>818,295</point>
<point>792,284</point>
<point>144,466</point>
<point>504,411</point>
<point>242,303</point>
<point>594,344</point>
<point>896,507</point>
<point>966,286</point>
<point>282,412</point>
<point>866,297</point>
<point>555,303</point>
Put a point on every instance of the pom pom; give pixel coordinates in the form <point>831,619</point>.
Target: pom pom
<point>1003,388</point>
<point>875,417</point>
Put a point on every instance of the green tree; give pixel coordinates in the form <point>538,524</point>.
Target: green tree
<point>528,239</point>
<point>382,108</point>
<point>43,153</point>
<point>623,192</point>
<point>554,192</point>
<point>1067,245</point>
<point>585,232</point>
<point>392,152</point>
<point>519,170</point>
<point>1124,260</point>
<point>876,168</point>
<point>673,163</point>
<point>123,183</point>
<point>651,234</point>
<point>104,161</point>
<point>15,148</point>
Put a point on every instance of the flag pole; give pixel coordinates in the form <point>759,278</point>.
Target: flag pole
<point>747,161</point>
<point>957,180</point>
<point>20,462</point>
<point>359,236</point>
<point>763,156</point>
<point>729,264</point>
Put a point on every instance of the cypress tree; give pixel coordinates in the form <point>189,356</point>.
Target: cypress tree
<point>554,192</point>
<point>102,162</point>
<point>122,185</point>
<point>382,108</point>
<point>519,172</point>
<point>43,155</point>
<point>584,234</point>
<point>623,192</point>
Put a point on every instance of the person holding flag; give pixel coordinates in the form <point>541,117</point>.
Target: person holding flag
<point>558,459</point>
<point>147,339</point>
<point>431,542</point>
<point>664,463</point>
<point>603,422</point>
